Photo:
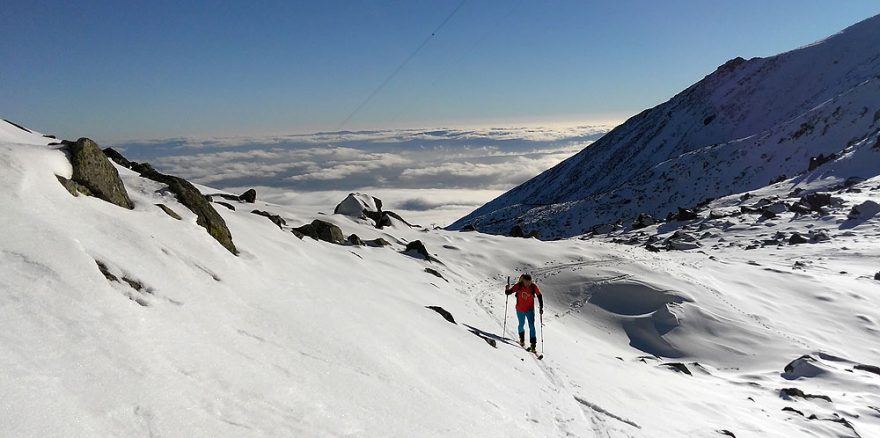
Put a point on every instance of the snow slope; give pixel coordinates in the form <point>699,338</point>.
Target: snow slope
<point>304,338</point>
<point>748,123</point>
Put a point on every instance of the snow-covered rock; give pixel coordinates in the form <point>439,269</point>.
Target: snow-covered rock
<point>355,204</point>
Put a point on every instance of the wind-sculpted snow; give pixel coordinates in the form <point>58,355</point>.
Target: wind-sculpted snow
<point>748,123</point>
<point>130,322</point>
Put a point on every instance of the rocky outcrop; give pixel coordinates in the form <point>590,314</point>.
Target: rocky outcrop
<point>249,196</point>
<point>443,312</point>
<point>322,230</point>
<point>193,199</point>
<point>92,170</point>
<point>114,155</point>
<point>417,249</point>
<point>277,220</point>
<point>169,211</point>
<point>357,204</point>
<point>363,206</point>
<point>865,210</point>
<point>683,214</point>
<point>643,220</point>
<point>377,243</point>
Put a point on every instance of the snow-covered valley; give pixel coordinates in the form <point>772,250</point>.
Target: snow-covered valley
<point>132,323</point>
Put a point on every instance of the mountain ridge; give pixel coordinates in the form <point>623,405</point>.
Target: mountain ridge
<point>741,101</point>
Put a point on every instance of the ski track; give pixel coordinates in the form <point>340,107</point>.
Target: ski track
<point>593,414</point>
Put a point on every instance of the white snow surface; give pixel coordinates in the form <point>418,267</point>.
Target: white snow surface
<point>743,126</point>
<point>305,338</point>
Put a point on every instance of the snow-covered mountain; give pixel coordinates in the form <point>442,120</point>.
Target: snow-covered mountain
<point>749,124</point>
<point>137,322</point>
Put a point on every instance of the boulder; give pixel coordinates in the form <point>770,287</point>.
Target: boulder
<point>604,228</point>
<point>877,276</point>
<point>683,214</point>
<point>853,180</point>
<point>377,243</point>
<point>819,236</point>
<point>819,160</point>
<point>417,249</point>
<point>682,245</point>
<point>804,366</point>
<point>775,208</point>
<point>643,220</point>
<point>354,240</point>
<point>865,210</point>
<point>277,220</point>
<point>356,204</point>
<point>386,219</point>
<point>815,201</point>
<point>716,214</point>
<point>249,196</point>
<point>93,170</point>
<point>517,231</point>
<point>797,239</point>
<point>188,195</point>
<point>322,230</point>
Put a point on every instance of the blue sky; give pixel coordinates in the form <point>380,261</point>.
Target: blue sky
<point>134,70</point>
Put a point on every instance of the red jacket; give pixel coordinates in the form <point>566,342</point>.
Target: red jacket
<point>525,297</point>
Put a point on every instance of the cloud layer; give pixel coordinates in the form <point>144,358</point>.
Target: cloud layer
<point>437,172</point>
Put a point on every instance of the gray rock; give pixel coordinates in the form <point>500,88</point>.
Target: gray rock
<point>169,211</point>
<point>797,239</point>
<point>114,155</point>
<point>377,243</point>
<point>682,215</point>
<point>249,196</point>
<point>192,198</point>
<point>322,230</point>
<point>517,231</point>
<point>417,249</point>
<point>865,210</point>
<point>643,220</point>
<point>681,245</point>
<point>93,170</point>
<point>443,312</point>
<point>355,240</point>
<point>776,208</point>
<point>277,220</point>
<point>819,236</point>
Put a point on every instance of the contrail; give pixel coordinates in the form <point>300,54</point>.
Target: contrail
<point>401,66</point>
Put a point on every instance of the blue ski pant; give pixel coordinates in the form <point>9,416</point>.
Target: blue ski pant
<point>522,317</point>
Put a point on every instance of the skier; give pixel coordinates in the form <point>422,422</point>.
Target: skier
<point>525,292</point>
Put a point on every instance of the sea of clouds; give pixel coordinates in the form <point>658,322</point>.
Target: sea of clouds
<point>432,177</point>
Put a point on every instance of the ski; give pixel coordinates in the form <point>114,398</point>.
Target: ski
<point>537,355</point>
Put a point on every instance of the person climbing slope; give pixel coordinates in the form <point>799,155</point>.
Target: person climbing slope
<point>525,292</point>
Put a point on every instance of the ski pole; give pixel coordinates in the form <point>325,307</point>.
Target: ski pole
<point>506,298</point>
<point>542,331</point>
